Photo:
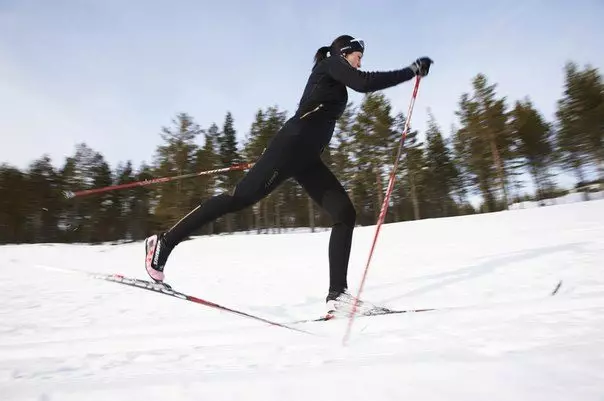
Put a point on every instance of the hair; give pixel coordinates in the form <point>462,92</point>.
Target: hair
<point>337,44</point>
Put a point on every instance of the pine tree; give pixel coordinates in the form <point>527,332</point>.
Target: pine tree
<point>81,217</point>
<point>227,142</point>
<point>258,137</point>
<point>580,118</point>
<point>494,120</point>
<point>374,151</point>
<point>483,143</point>
<point>100,225</point>
<point>141,219</point>
<point>206,186</point>
<point>414,168</point>
<point>69,219</point>
<point>229,155</point>
<point>254,146</point>
<point>122,202</point>
<point>534,142</point>
<point>441,173</point>
<point>13,198</point>
<point>44,200</point>
<point>176,157</point>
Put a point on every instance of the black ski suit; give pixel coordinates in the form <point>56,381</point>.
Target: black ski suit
<point>295,152</point>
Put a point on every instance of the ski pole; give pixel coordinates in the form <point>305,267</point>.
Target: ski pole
<point>384,209</point>
<point>240,166</point>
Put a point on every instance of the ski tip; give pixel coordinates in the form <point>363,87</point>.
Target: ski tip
<point>555,291</point>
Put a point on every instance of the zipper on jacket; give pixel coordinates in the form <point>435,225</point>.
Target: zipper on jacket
<point>312,111</point>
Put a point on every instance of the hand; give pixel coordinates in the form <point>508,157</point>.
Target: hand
<point>421,66</point>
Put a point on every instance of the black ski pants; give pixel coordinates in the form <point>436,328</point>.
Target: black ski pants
<point>286,157</point>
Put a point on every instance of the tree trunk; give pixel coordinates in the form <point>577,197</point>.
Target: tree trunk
<point>265,220</point>
<point>487,196</point>
<point>229,223</point>
<point>380,189</point>
<point>414,197</point>
<point>500,172</point>
<point>258,216</point>
<point>396,212</point>
<point>578,166</point>
<point>537,181</point>
<point>278,211</point>
<point>251,216</point>
<point>601,168</point>
<point>311,214</point>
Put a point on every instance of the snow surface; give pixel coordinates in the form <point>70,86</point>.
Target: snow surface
<point>500,334</point>
<point>569,198</point>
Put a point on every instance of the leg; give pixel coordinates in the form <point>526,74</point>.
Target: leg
<point>268,172</point>
<point>281,159</point>
<point>325,189</point>
<point>261,180</point>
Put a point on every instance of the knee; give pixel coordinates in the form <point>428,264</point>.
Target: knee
<point>240,199</point>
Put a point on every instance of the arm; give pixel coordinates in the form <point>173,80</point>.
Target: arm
<point>364,82</point>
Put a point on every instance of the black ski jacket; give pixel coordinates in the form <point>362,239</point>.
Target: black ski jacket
<point>325,98</point>
<point>326,86</point>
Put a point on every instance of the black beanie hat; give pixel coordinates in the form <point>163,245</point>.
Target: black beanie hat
<point>350,46</point>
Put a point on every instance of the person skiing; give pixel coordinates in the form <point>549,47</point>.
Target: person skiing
<point>295,153</point>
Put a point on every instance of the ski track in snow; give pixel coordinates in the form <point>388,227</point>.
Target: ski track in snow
<point>500,335</point>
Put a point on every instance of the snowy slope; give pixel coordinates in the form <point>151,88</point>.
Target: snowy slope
<point>569,198</point>
<point>499,336</point>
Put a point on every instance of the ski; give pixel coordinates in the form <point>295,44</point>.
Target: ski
<point>166,289</point>
<point>381,312</point>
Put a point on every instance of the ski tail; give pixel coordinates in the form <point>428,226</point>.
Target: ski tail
<point>166,289</point>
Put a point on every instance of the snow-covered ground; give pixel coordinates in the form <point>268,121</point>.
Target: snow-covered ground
<point>561,200</point>
<point>500,335</point>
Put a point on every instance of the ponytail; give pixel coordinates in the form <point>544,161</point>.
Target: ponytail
<point>321,54</point>
<point>341,44</point>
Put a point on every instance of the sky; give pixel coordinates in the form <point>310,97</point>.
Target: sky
<point>112,73</point>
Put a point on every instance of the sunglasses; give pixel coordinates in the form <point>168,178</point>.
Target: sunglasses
<point>361,42</point>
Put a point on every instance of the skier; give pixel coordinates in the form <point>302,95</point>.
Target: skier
<point>294,152</point>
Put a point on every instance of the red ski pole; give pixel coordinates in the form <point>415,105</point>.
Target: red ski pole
<point>384,209</point>
<point>241,166</point>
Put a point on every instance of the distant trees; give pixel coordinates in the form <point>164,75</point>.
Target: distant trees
<point>494,142</point>
<point>580,121</point>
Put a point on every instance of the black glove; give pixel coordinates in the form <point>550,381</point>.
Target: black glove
<point>421,66</point>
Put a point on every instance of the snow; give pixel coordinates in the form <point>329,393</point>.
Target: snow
<point>569,198</point>
<point>500,334</point>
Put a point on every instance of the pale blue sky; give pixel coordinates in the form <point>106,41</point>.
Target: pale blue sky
<point>112,72</point>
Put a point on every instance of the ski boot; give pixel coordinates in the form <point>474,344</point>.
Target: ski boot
<point>341,304</point>
<point>156,256</point>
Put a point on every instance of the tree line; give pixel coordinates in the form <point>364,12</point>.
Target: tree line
<point>493,144</point>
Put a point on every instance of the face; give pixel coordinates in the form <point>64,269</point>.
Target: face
<point>354,59</point>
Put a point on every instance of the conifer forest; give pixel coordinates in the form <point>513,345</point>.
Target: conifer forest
<point>494,143</point>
